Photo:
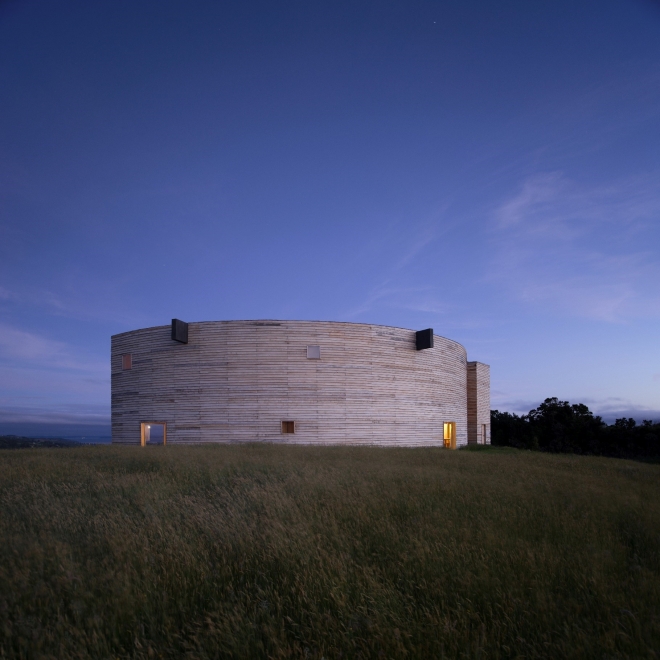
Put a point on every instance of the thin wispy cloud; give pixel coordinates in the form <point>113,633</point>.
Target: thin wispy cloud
<point>70,414</point>
<point>30,350</point>
<point>587,251</point>
<point>617,407</point>
<point>405,244</point>
<point>80,303</point>
<point>46,381</point>
<point>425,236</point>
<point>610,408</point>
<point>387,294</point>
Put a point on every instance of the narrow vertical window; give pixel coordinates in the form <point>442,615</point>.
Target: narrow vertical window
<point>126,361</point>
<point>288,427</point>
<point>449,433</point>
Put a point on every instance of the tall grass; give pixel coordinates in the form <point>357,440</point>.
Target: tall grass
<point>280,551</point>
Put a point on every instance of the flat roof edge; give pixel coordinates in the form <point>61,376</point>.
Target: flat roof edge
<point>370,325</point>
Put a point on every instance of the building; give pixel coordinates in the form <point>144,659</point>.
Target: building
<point>310,382</point>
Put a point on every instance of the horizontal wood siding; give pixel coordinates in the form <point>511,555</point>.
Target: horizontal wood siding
<point>478,401</point>
<point>236,381</point>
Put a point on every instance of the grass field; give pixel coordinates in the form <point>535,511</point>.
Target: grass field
<point>280,551</point>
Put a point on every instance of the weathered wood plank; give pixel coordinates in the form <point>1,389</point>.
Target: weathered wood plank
<point>236,381</point>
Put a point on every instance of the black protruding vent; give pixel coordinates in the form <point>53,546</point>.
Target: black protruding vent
<point>179,331</point>
<point>424,339</point>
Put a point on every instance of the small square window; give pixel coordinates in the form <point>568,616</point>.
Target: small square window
<point>126,361</point>
<point>288,427</point>
<point>313,352</point>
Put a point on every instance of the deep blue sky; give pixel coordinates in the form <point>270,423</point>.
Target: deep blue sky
<point>488,169</point>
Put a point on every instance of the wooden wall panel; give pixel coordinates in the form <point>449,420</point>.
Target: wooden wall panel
<point>478,404</point>
<point>236,381</point>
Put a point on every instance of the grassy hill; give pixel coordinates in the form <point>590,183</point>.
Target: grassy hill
<point>280,551</point>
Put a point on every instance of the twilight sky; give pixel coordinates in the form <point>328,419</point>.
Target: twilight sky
<point>488,169</point>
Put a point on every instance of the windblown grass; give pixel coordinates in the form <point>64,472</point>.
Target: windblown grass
<point>280,551</point>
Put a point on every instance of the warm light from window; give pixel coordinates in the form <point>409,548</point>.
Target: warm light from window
<point>449,435</point>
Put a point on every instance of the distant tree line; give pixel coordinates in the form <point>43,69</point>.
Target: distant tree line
<point>558,426</point>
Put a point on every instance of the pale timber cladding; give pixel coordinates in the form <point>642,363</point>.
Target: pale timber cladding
<point>238,380</point>
<point>478,403</point>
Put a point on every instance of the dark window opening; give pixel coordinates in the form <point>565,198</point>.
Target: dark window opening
<point>179,331</point>
<point>288,427</point>
<point>424,339</point>
<point>126,361</point>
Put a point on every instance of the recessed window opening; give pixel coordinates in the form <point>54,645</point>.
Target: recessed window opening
<point>153,433</point>
<point>313,352</point>
<point>449,435</point>
<point>126,361</point>
<point>288,427</point>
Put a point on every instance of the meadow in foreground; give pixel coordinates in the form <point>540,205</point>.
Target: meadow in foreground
<point>281,551</point>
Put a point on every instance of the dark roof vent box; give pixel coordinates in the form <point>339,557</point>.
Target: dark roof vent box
<point>179,331</point>
<point>424,339</point>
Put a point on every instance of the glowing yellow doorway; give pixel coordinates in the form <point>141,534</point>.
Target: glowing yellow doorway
<point>153,433</point>
<point>450,435</point>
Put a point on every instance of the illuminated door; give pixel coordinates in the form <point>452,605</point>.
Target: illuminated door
<point>450,435</point>
<point>153,433</point>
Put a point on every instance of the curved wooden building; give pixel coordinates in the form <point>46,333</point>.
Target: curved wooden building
<point>296,381</point>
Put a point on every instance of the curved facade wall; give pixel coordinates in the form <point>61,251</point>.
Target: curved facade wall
<point>238,380</point>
